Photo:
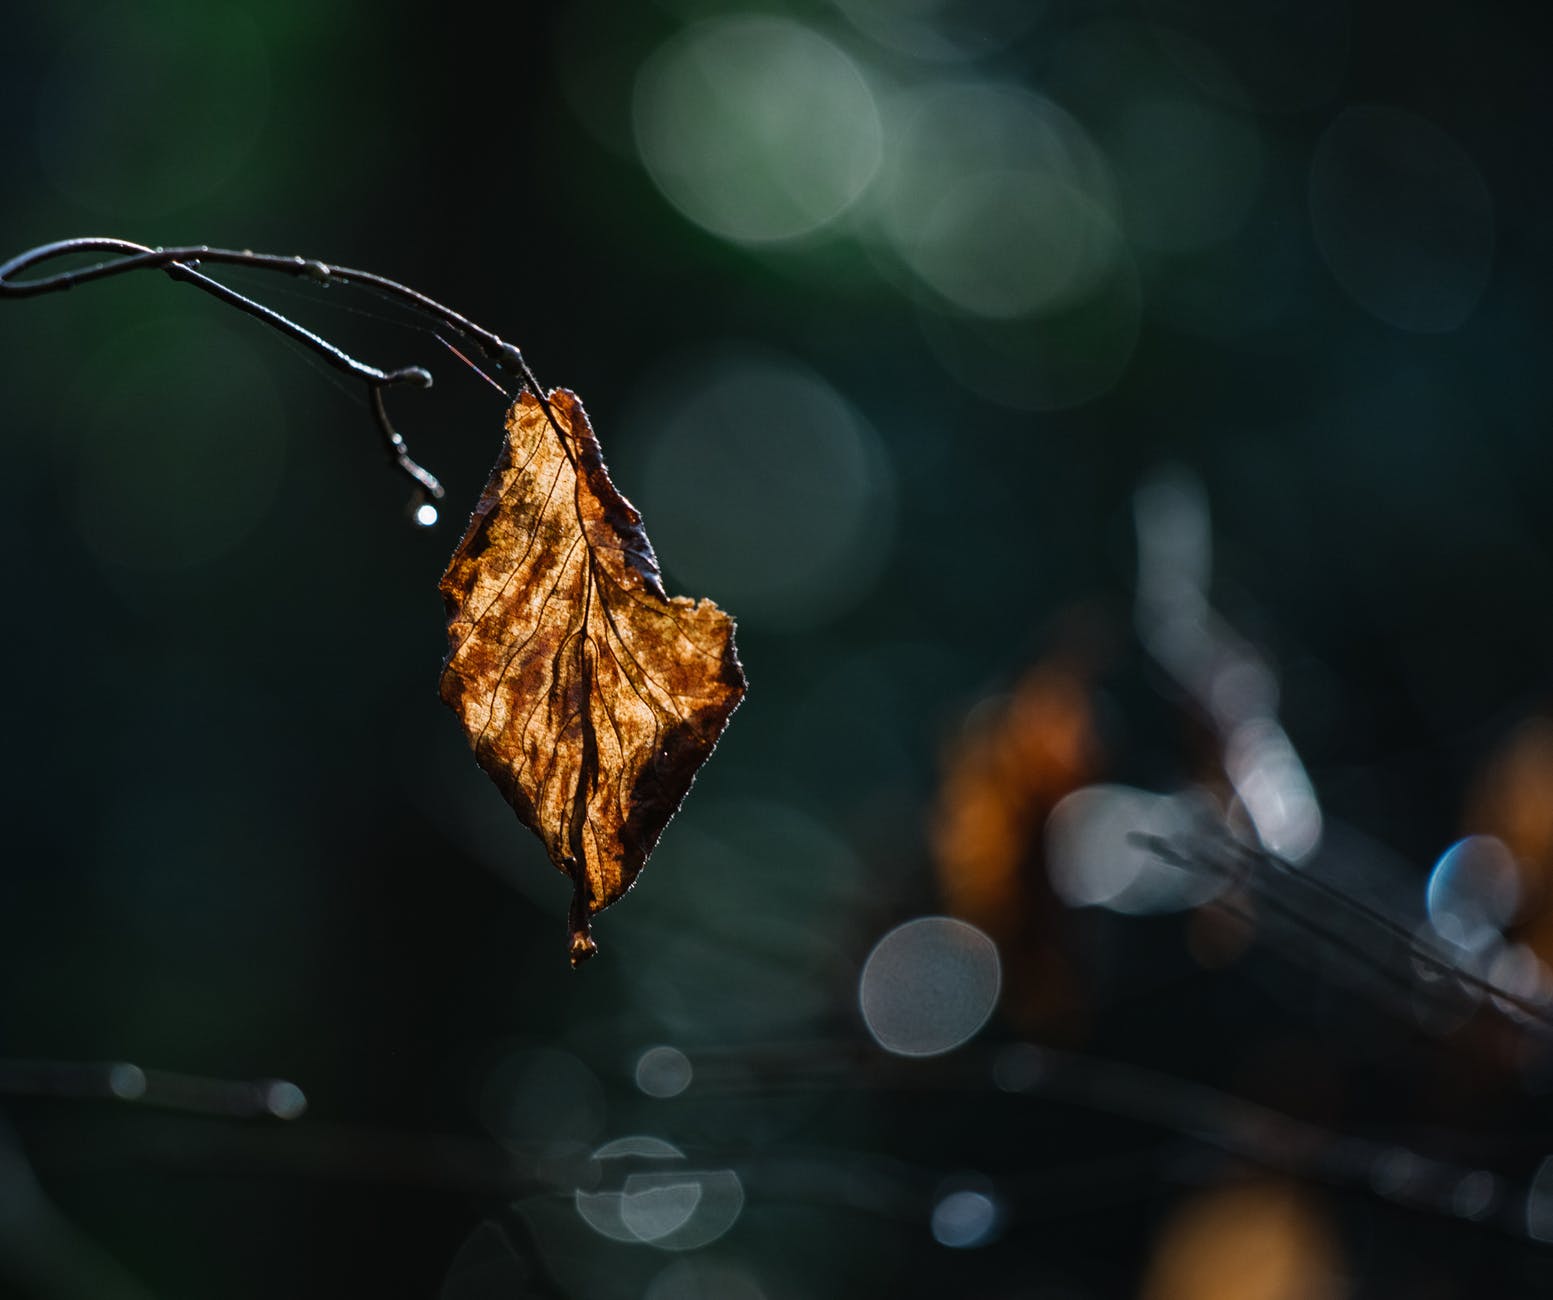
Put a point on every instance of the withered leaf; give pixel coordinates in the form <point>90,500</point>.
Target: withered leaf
<point>589,696</point>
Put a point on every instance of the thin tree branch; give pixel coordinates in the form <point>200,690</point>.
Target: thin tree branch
<point>182,264</point>
<point>190,1094</point>
<point>1240,1128</point>
<point>1245,1130</point>
<point>1253,867</point>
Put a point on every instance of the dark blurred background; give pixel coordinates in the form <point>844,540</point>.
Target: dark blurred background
<point>1101,417</point>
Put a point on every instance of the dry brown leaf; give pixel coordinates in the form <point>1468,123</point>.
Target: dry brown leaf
<point>588,695</point>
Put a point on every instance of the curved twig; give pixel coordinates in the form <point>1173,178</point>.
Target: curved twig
<point>182,264</point>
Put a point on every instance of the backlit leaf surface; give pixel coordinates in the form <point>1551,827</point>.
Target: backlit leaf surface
<point>588,695</point>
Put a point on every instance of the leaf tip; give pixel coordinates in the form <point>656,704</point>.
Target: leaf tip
<point>582,947</point>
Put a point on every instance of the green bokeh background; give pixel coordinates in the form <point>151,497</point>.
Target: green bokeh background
<point>244,837</point>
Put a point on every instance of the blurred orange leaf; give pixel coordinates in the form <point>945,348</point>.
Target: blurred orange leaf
<point>1001,781</point>
<point>1259,1241</point>
<point>1512,799</point>
<point>589,696</point>
<point>1002,778</point>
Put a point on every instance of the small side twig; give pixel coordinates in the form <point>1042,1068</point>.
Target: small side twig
<point>183,263</point>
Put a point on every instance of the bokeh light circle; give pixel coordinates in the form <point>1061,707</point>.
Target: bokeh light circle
<point>1094,861</point>
<point>943,137</point>
<point>663,1071</point>
<point>929,985</point>
<point>1049,361</point>
<point>1012,243</point>
<point>1019,1067</point>
<point>740,943</point>
<point>1403,218</point>
<point>756,128</point>
<point>542,1095</point>
<point>666,1205</point>
<point>126,1081</point>
<point>1519,976</point>
<point>767,490</point>
<point>1475,1195</point>
<point>1002,208</point>
<point>1473,892</point>
<point>140,118</point>
<point>284,1100</point>
<point>964,1219</point>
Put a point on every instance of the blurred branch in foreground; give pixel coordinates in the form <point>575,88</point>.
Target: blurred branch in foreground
<point>41,1251</point>
<point>166,1089</point>
<point>1300,913</point>
<point>1266,1137</point>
